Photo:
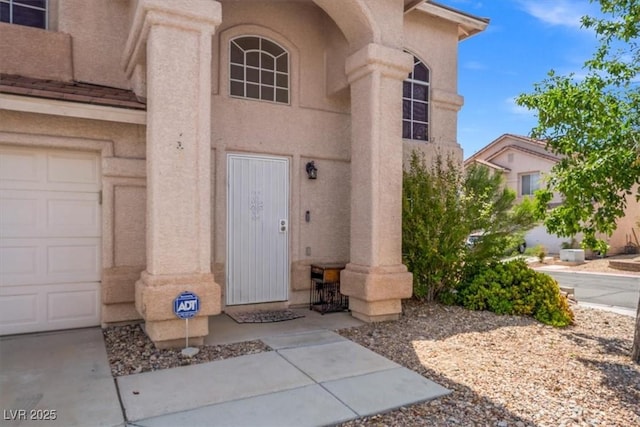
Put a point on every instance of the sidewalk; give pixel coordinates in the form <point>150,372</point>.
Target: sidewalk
<point>311,378</point>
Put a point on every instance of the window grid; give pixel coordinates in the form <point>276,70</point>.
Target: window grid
<point>8,9</point>
<point>415,103</point>
<point>529,184</point>
<point>261,74</point>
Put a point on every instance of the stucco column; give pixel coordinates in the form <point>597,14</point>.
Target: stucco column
<point>375,279</point>
<point>175,37</point>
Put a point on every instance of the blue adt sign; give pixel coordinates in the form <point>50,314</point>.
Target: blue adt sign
<point>186,305</point>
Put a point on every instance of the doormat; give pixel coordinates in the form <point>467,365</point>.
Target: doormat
<point>263,316</point>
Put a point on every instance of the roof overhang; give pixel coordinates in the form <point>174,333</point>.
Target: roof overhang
<point>468,25</point>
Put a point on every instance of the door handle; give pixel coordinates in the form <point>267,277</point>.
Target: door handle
<point>283,225</point>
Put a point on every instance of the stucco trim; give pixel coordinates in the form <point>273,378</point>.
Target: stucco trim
<point>198,15</point>
<point>71,109</point>
<point>390,62</point>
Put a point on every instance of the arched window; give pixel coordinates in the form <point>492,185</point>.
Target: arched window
<point>415,103</point>
<point>259,69</point>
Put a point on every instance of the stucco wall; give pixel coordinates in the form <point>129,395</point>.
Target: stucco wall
<point>99,32</point>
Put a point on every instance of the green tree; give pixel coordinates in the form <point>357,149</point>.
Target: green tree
<point>442,205</point>
<point>594,125</point>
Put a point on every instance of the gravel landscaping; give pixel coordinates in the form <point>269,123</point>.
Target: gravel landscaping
<point>503,370</point>
<point>511,371</point>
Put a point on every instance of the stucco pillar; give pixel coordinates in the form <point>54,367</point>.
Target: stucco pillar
<point>175,37</point>
<point>375,278</point>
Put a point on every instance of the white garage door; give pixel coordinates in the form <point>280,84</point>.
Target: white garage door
<point>50,240</point>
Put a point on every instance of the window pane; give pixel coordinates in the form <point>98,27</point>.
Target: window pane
<point>406,89</point>
<point>28,17</point>
<point>421,73</point>
<point>267,93</point>
<point>267,62</point>
<point>267,78</point>
<point>271,47</point>
<point>237,55</point>
<point>282,95</point>
<point>253,59</point>
<point>526,188</point>
<point>281,80</point>
<point>406,110</point>
<point>283,64</point>
<point>36,3</point>
<point>420,131</point>
<point>237,88</point>
<point>253,91</point>
<point>406,129</point>
<point>253,75</point>
<point>252,71</point>
<point>248,43</point>
<point>420,111</point>
<point>237,72</point>
<point>420,92</point>
<point>4,12</point>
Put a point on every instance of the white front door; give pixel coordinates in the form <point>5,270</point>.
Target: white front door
<point>50,240</point>
<point>257,229</point>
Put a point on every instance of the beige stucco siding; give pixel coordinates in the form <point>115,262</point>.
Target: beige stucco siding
<point>99,30</point>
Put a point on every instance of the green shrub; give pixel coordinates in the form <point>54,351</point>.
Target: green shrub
<point>514,288</point>
<point>441,206</point>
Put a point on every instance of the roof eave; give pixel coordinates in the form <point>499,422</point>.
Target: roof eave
<point>468,25</point>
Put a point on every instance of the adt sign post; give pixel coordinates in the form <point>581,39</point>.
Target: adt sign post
<point>185,306</point>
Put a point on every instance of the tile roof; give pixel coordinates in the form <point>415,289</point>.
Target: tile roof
<point>70,91</point>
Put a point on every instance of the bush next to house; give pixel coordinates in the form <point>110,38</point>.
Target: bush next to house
<point>442,205</point>
<point>514,288</point>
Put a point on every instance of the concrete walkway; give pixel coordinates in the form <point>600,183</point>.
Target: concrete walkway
<point>313,377</point>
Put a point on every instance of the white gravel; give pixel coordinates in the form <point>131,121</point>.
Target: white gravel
<point>503,370</point>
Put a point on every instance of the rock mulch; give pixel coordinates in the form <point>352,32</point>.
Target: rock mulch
<point>511,371</point>
<point>503,370</point>
<point>130,351</point>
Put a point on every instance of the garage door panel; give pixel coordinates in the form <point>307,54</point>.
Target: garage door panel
<point>30,213</point>
<point>20,310</point>
<point>74,305</point>
<point>50,239</point>
<point>18,211</point>
<point>73,215</point>
<point>18,260</point>
<point>77,169</point>
<point>40,261</point>
<point>20,168</point>
<point>72,260</point>
<point>49,307</point>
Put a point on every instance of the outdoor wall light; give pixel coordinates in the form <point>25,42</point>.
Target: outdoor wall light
<point>312,171</point>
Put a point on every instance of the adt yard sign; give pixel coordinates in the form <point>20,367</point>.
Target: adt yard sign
<point>186,305</point>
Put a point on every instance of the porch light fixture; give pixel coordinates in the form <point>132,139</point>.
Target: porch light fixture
<point>312,171</point>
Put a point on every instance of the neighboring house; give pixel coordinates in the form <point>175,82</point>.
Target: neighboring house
<point>153,147</point>
<point>524,162</point>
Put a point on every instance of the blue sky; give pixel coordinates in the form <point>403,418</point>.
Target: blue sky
<point>524,40</point>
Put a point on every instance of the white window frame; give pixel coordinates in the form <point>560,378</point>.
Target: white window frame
<point>260,69</point>
<point>427,84</point>
<point>533,186</point>
<point>45,10</point>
